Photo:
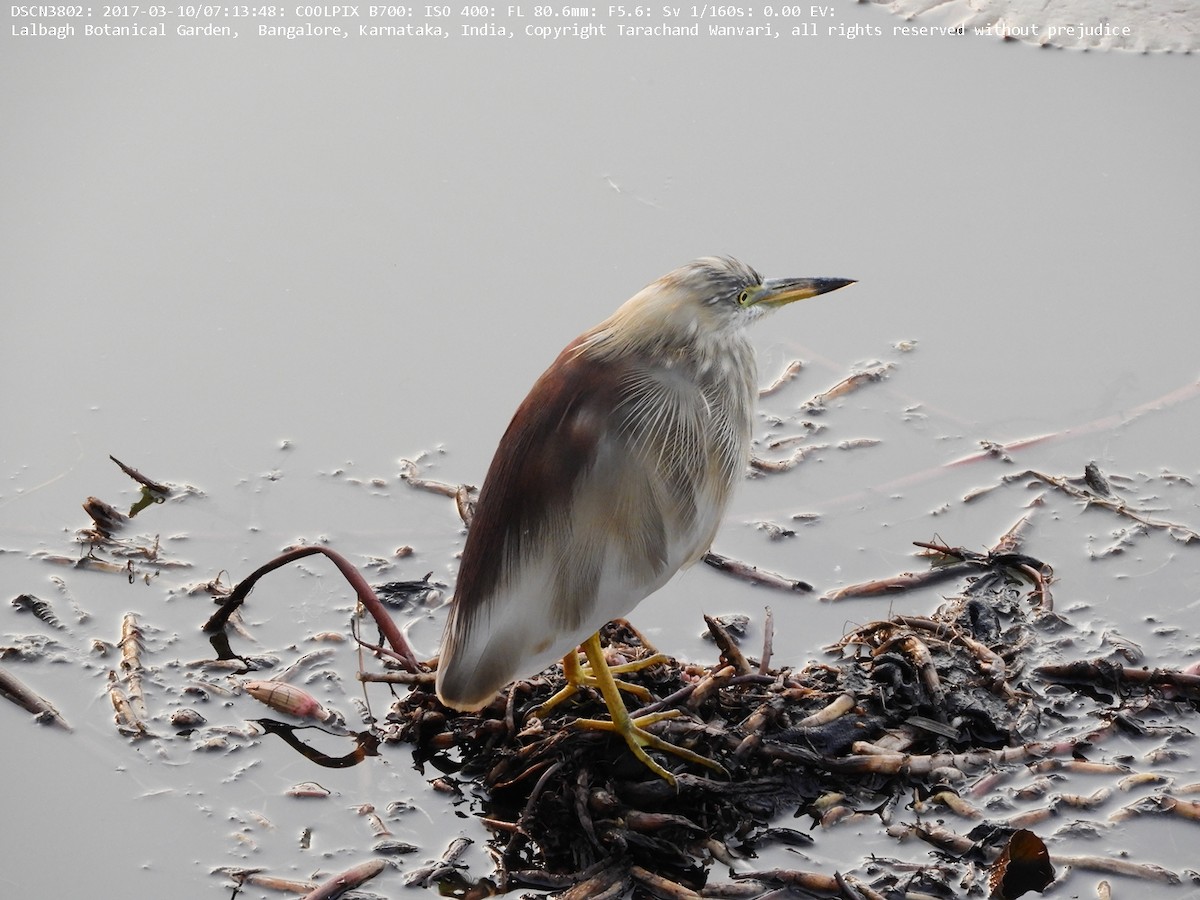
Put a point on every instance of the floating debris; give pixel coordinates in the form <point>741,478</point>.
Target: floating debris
<point>753,574</point>
<point>1109,676</point>
<point>129,723</point>
<point>374,822</point>
<point>257,878</point>
<point>152,491</point>
<point>774,531</point>
<point>1106,500</point>
<point>402,594</point>
<point>186,719</point>
<point>287,698</point>
<point>1023,866</point>
<point>347,881</point>
<point>141,479</point>
<point>464,495</point>
<point>308,789</point>
<point>848,385</point>
<point>774,466</point>
<point>15,691</point>
<point>327,637</point>
<point>1145,871</point>
<point>785,377</point>
<point>441,868</point>
<point>858,443</point>
<point>131,662</point>
<point>954,562</point>
<point>308,660</point>
<point>106,519</point>
<point>40,608</point>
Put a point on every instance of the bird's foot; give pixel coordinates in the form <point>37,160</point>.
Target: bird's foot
<point>580,676</point>
<point>638,738</point>
<point>632,729</point>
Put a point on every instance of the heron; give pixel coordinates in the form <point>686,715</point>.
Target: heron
<point>613,475</point>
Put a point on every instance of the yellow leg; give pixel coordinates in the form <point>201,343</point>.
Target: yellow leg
<point>628,727</point>
<point>577,677</point>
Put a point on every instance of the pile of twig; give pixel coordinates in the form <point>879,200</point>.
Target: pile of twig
<point>910,702</point>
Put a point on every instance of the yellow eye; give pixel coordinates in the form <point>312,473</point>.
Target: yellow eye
<point>744,297</point>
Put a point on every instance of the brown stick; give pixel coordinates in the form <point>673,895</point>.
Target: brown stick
<point>347,881</point>
<point>131,662</point>
<point>729,650</point>
<point>1118,506</point>
<point>968,560</point>
<point>410,476</point>
<point>366,597</point>
<point>771,466</point>
<point>140,478</point>
<point>764,664</point>
<point>15,691</point>
<point>127,720</point>
<point>1147,871</point>
<point>849,384</point>
<point>897,583</point>
<point>753,574</point>
<point>808,881</point>
<point>1102,672</point>
<point>662,887</point>
<point>425,875</point>
<point>792,370</point>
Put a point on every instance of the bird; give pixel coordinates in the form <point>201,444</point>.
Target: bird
<point>613,475</point>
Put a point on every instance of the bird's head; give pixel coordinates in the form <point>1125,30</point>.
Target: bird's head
<point>708,299</point>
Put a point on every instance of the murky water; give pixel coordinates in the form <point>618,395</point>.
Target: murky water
<point>271,275</point>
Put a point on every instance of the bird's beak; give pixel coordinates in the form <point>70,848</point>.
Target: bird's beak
<point>776,292</point>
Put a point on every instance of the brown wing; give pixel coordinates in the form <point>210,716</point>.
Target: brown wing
<point>579,518</point>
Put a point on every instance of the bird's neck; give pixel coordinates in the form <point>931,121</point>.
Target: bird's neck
<point>705,353</point>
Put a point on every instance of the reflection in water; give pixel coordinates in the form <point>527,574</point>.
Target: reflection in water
<point>365,744</point>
